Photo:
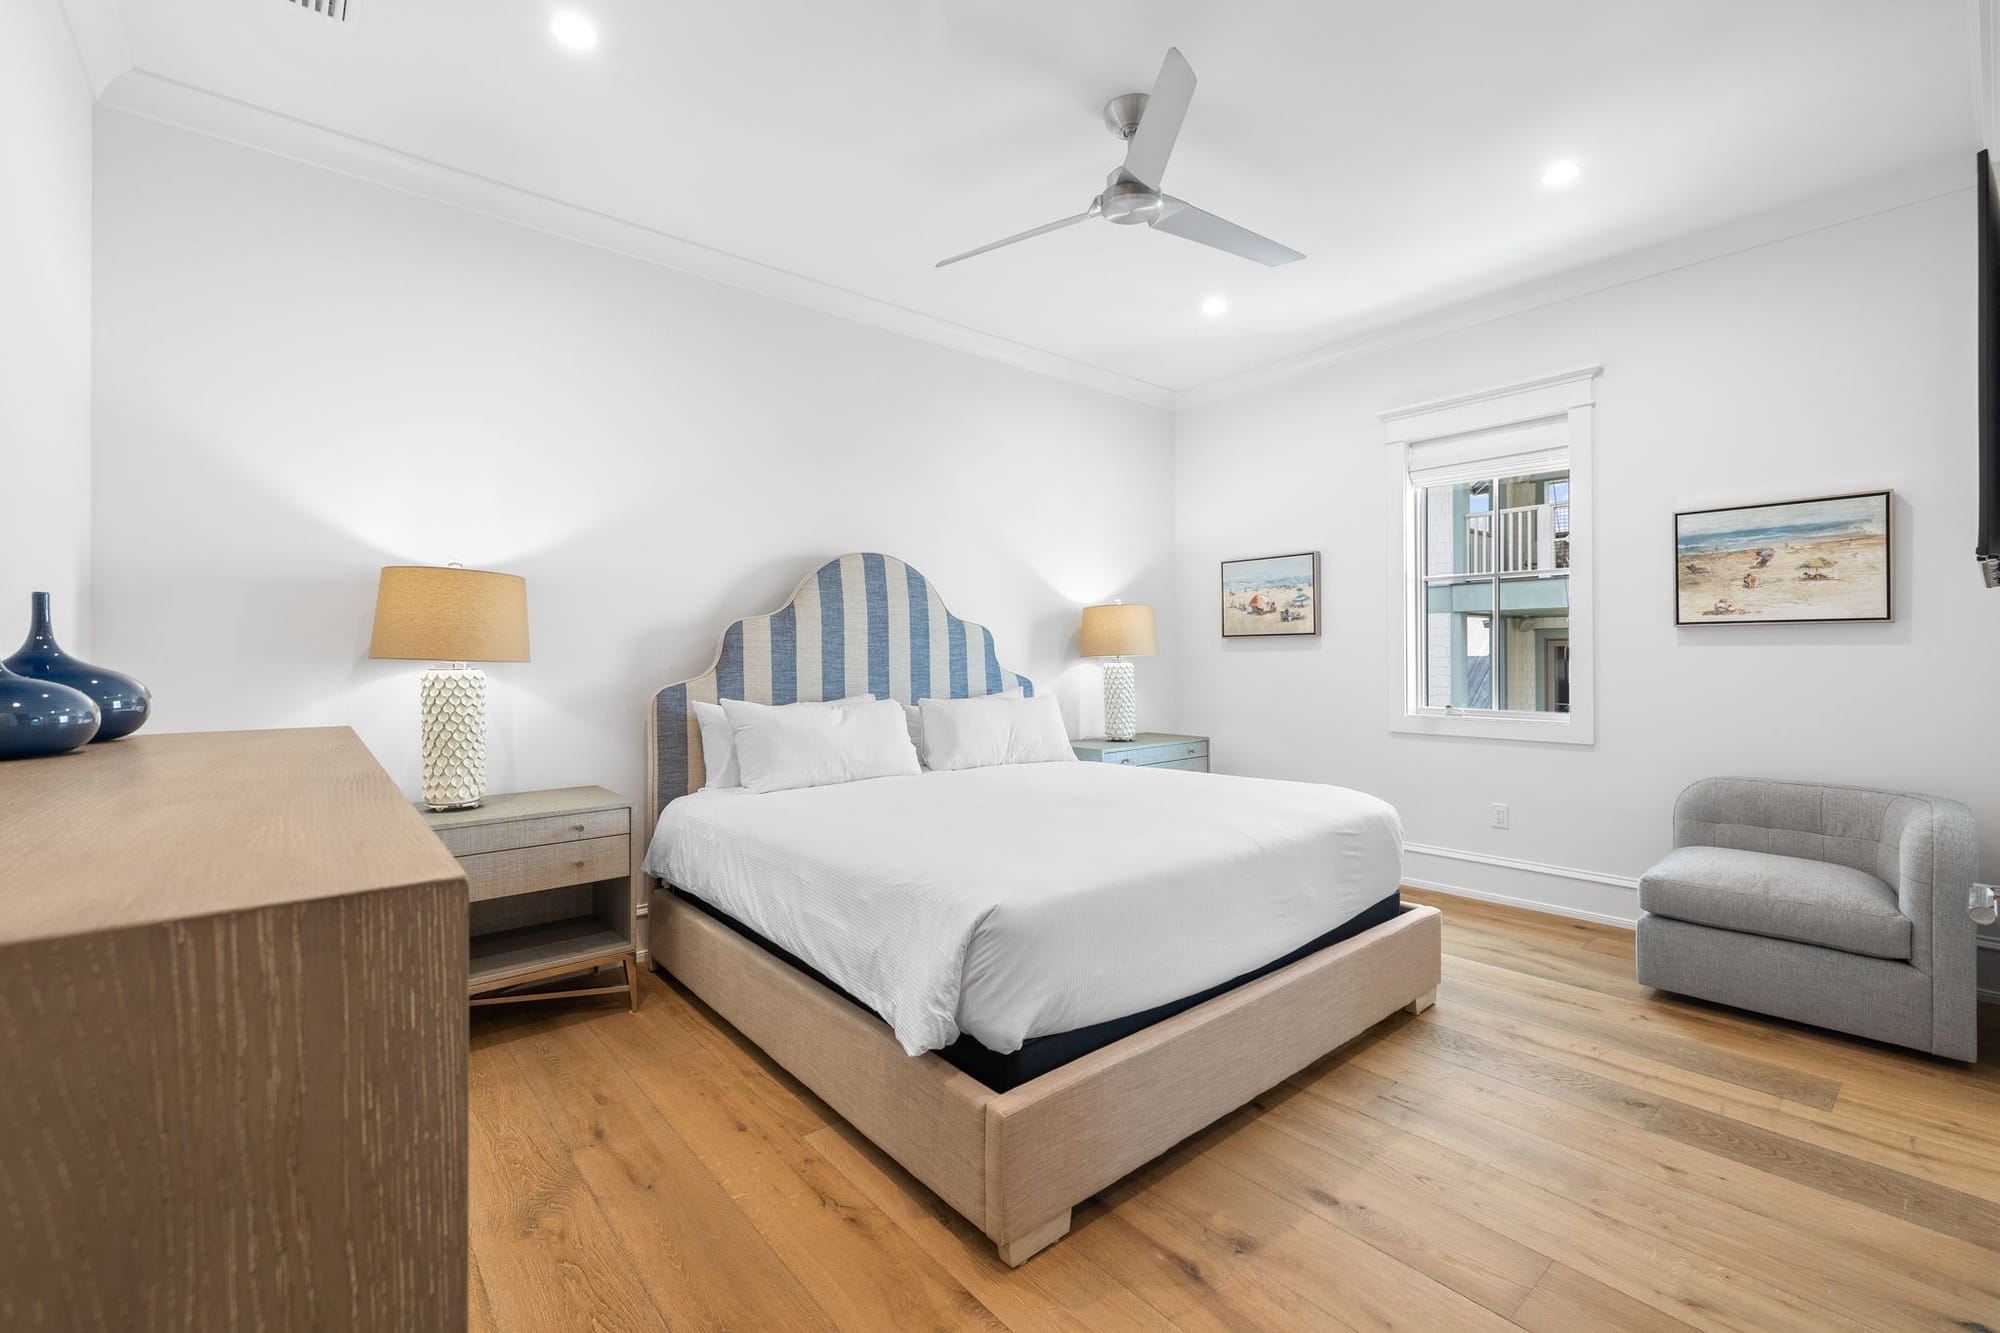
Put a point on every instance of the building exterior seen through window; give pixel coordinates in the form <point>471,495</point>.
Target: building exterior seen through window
<point>1495,593</point>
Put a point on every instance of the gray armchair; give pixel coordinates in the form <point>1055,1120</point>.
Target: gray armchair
<point>1835,906</point>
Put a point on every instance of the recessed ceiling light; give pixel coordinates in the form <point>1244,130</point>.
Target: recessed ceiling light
<point>574,30</point>
<point>1561,173</point>
<point>1214,306</point>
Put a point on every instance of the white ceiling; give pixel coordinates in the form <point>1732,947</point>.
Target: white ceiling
<point>1400,145</point>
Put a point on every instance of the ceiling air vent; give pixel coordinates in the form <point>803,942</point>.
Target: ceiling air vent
<point>333,9</point>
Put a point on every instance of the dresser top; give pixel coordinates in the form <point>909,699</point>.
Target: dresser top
<point>1143,740</point>
<point>528,805</point>
<point>162,827</point>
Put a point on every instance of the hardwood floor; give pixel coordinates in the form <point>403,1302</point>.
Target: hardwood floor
<point>1552,1147</point>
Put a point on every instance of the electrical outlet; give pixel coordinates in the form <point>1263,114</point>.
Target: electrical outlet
<point>1499,814</point>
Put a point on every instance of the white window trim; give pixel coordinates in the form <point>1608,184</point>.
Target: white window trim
<point>1569,397</point>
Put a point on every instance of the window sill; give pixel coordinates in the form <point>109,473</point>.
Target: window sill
<point>1572,729</point>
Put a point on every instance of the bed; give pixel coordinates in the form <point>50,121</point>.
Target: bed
<point>1018,1020</point>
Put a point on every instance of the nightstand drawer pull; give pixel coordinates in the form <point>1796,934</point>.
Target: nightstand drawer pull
<point>502,835</point>
<point>533,869</point>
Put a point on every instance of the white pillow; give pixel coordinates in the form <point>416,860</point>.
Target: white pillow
<point>718,743</point>
<point>916,717</point>
<point>778,749</point>
<point>994,729</point>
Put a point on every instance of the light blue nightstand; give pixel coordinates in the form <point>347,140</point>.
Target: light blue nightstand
<point>1149,749</point>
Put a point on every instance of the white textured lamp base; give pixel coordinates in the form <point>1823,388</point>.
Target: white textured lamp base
<point>1121,702</point>
<point>454,706</point>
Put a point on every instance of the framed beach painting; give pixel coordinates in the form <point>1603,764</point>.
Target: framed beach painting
<point>1800,561</point>
<point>1270,595</point>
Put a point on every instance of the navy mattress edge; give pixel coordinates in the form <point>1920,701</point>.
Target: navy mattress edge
<point>1039,1055</point>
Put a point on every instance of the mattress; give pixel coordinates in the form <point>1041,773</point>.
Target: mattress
<point>1027,900</point>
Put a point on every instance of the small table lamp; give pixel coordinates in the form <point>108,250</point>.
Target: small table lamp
<point>451,615</point>
<point>1118,631</point>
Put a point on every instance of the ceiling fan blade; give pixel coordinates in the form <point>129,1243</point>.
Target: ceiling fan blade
<point>1045,228</point>
<point>1160,124</point>
<point>1180,218</point>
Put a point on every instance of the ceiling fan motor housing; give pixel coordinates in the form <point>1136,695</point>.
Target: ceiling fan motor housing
<point>1126,201</point>
<point>1122,113</point>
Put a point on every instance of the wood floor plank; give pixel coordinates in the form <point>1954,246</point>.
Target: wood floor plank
<point>1236,1223</point>
<point>697,1253</point>
<point>781,1094</point>
<point>1565,1301</point>
<point>1632,1025</point>
<point>1935,1207</point>
<point>1164,1258</point>
<point>1062,1291</point>
<point>1851,1256</point>
<point>1552,1148</point>
<point>1925,1146</point>
<point>550,1260</point>
<point>1554,1201</point>
<point>478,1303</point>
<point>1379,1206</point>
<point>857,1264</point>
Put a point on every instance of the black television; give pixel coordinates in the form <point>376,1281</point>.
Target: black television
<point>1988,550</point>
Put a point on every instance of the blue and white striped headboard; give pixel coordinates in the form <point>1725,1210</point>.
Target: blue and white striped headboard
<point>860,624</point>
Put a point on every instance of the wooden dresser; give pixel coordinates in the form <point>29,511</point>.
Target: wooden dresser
<point>233,1036</point>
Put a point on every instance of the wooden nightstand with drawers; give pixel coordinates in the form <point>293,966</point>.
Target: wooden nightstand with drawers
<point>1149,749</point>
<point>553,890</point>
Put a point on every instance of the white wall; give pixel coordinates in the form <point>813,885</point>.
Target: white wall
<point>45,467</point>
<point>301,377</point>
<point>1835,361</point>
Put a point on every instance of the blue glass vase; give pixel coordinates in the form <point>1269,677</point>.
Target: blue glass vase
<point>123,703</point>
<point>40,717</point>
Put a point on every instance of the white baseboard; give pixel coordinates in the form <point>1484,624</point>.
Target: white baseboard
<point>1531,904</point>
<point>1585,895</point>
<point>1530,867</point>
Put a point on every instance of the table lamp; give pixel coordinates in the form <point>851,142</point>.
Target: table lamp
<point>1118,631</point>
<point>452,616</point>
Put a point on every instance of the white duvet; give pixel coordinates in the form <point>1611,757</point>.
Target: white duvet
<point>1026,899</point>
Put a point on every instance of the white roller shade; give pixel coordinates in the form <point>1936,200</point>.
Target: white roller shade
<point>1512,451</point>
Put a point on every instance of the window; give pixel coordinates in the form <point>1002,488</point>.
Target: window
<point>1492,562</point>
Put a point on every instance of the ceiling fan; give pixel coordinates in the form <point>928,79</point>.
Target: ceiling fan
<point>1132,194</point>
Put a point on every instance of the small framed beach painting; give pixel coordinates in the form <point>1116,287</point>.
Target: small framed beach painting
<point>1800,561</point>
<point>1270,595</point>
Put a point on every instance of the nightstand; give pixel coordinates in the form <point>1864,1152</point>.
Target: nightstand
<point>1149,749</point>
<point>553,890</point>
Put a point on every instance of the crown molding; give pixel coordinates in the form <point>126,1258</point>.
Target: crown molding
<point>1883,195</point>
<point>97,30</point>
<point>168,101</point>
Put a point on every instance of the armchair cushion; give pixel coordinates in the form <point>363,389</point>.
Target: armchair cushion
<point>1784,897</point>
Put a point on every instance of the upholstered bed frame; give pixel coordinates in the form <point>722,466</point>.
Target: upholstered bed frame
<point>1014,1163</point>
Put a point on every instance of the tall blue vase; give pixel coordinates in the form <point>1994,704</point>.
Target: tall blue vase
<point>40,717</point>
<point>123,702</point>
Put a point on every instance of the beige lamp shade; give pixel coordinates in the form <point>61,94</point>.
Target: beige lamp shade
<point>446,614</point>
<point>1119,629</point>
